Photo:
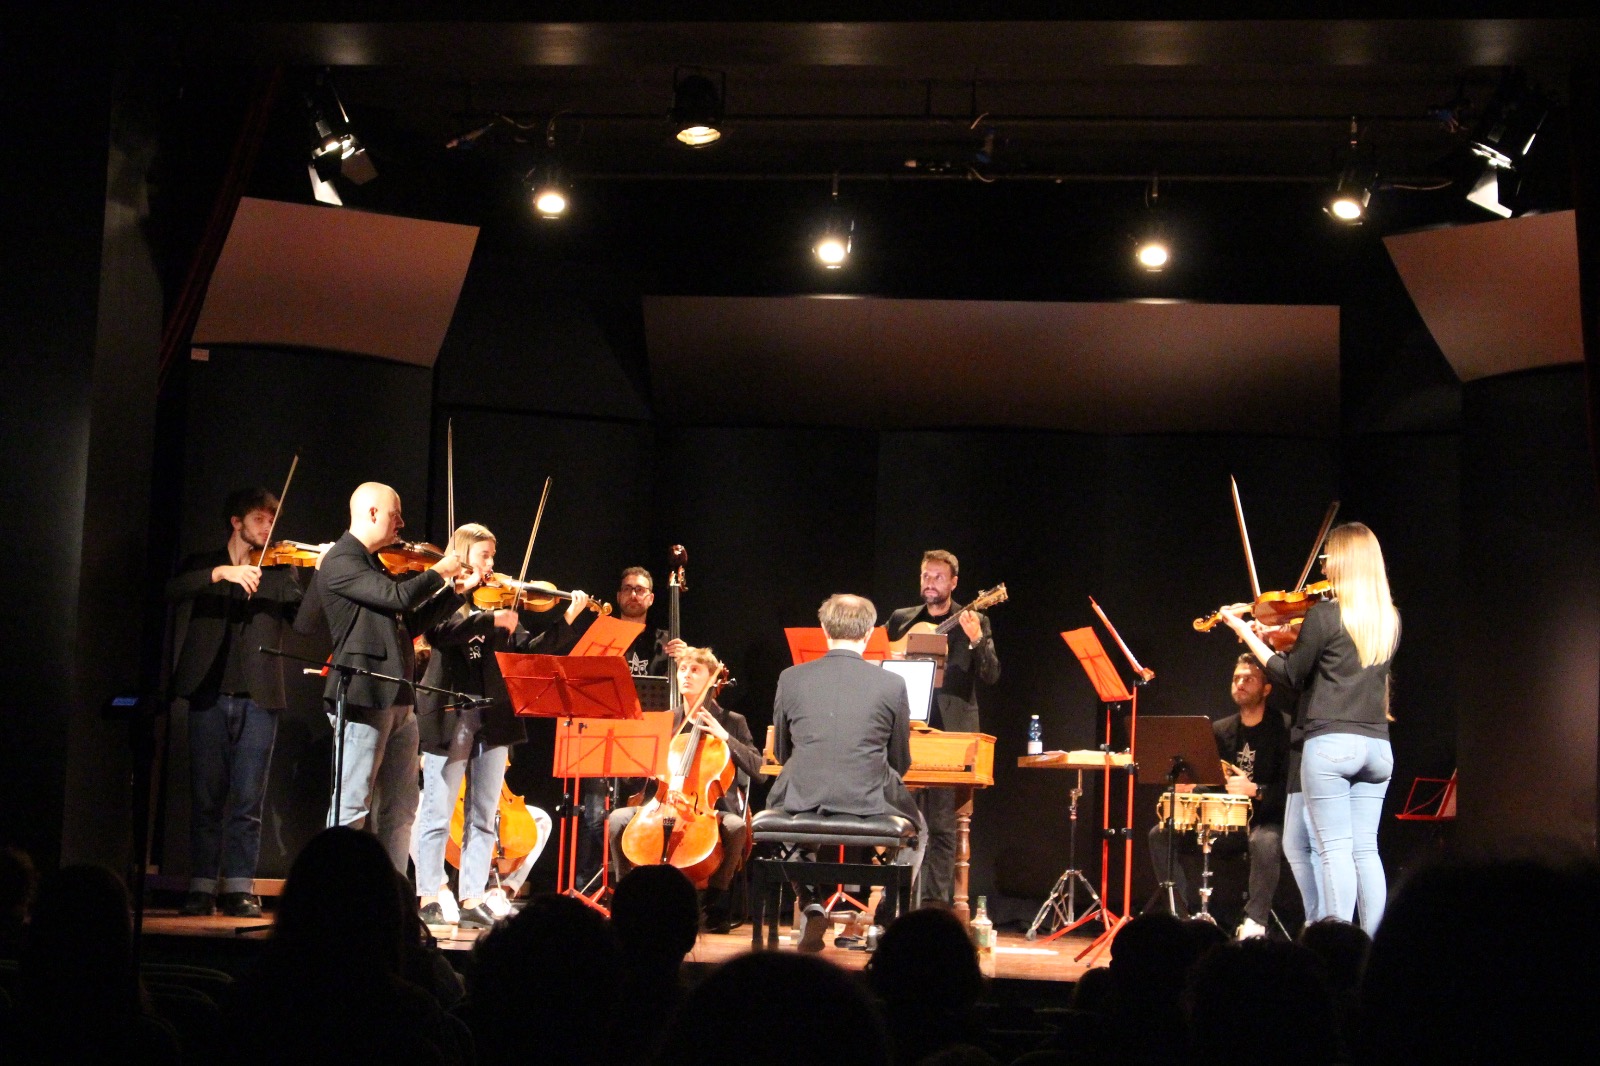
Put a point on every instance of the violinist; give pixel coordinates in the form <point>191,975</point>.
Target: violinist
<point>696,669</point>
<point>234,695</point>
<point>470,742</point>
<point>1340,666</point>
<point>372,617</point>
<point>971,659</point>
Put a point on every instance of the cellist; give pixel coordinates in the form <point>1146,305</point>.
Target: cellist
<point>470,742</point>
<point>696,669</point>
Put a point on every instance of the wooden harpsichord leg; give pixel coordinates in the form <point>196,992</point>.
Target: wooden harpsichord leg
<point>963,849</point>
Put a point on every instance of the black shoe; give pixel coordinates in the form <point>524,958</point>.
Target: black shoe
<point>239,905</point>
<point>198,905</point>
<point>433,917</point>
<point>816,923</point>
<point>479,917</point>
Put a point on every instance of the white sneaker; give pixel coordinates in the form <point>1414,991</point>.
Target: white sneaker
<point>448,904</point>
<point>497,903</point>
<point>1249,928</point>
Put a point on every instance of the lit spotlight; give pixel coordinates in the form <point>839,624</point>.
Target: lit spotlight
<point>697,109</point>
<point>832,247</point>
<point>1352,193</point>
<point>336,151</point>
<point>1153,255</point>
<point>1151,250</point>
<point>547,193</point>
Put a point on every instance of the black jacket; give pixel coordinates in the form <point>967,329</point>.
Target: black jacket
<point>371,618</point>
<point>463,660</point>
<point>204,632</point>
<point>955,705</point>
<point>843,735</point>
<point>1339,695</point>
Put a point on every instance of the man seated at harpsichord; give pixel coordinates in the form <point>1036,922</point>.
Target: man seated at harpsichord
<point>842,730</point>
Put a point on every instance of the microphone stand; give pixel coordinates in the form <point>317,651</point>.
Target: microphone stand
<point>462,699</point>
<point>1169,827</point>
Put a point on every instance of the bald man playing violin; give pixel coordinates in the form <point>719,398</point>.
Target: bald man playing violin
<point>372,617</point>
<point>234,695</point>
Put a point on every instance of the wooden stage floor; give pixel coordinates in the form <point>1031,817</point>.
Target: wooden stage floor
<point>1016,959</point>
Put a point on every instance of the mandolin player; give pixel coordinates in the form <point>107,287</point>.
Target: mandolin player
<point>971,659</point>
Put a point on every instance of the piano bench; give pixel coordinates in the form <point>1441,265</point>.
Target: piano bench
<point>785,835</point>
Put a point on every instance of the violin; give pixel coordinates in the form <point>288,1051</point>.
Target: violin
<point>499,592</point>
<point>404,557</point>
<point>286,553</point>
<point>1281,612</point>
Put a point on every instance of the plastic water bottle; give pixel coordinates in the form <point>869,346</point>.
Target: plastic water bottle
<point>983,937</point>
<point>1035,736</point>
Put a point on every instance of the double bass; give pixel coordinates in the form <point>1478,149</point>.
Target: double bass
<point>679,823</point>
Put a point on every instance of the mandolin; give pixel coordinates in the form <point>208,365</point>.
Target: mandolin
<point>989,598</point>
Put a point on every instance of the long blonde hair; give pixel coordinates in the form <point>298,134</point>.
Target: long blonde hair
<point>1355,567</point>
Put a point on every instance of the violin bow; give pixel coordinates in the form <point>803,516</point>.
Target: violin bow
<point>1244,535</point>
<point>1316,549</point>
<point>1144,673</point>
<point>449,479</point>
<point>273,526</point>
<point>527,556</point>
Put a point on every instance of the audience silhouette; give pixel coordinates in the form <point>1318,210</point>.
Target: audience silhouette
<point>926,974</point>
<point>655,917</point>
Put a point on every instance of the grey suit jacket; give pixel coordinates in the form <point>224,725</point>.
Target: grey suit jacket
<point>843,734</point>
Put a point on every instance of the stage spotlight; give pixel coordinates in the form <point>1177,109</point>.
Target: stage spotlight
<point>336,151</point>
<point>697,108</point>
<point>1505,134</point>
<point>1486,192</point>
<point>1151,249</point>
<point>549,194</point>
<point>832,246</point>
<point>1352,193</point>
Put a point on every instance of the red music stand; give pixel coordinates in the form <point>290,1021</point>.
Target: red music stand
<point>806,644</point>
<point>607,636</point>
<point>1109,686</point>
<point>590,694</point>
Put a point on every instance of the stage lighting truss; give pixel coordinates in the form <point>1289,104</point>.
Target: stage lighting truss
<point>698,107</point>
<point>833,244</point>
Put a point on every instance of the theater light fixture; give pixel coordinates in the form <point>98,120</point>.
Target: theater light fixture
<point>1503,138</point>
<point>832,246</point>
<point>336,151</point>
<point>697,108</point>
<point>1352,192</point>
<point>548,192</point>
<point>1152,252</point>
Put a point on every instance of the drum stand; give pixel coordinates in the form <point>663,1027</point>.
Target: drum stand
<point>1204,834</point>
<point>1062,901</point>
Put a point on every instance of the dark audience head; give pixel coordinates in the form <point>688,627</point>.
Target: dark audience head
<point>926,959</point>
<point>1151,955</point>
<point>1204,935</point>
<point>1486,960</point>
<point>655,915</point>
<point>1091,989</point>
<point>1342,948</point>
<point>1280,986</point>
<point>344,911</point>
<point>79,947</point>
<point>551,970</point>
<point>786,1009</point>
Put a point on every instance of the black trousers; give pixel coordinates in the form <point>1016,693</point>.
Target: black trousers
<point>1264,846</point>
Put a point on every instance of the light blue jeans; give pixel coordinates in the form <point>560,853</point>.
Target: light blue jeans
<point>484,768</point>
<point>378,792</point>
<point>1300,848</point>
<point>1344,777</point>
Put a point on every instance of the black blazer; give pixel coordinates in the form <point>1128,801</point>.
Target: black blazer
<point>843,735</point>
<point>1339,695</point>
<point>463,660</point>
<point>371,617</point>
<point>203,632</point>
<point>955,705</point>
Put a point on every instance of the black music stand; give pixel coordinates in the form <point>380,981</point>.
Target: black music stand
<point>1184,751</point>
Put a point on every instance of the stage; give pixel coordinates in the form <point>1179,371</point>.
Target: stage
<point>1016,959</point>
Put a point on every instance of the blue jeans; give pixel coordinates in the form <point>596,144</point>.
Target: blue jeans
<point>1300,849</point>
<point>378,791</point>
<point>230,752</point>
<point>484,768</point>
<point>1344,777</point>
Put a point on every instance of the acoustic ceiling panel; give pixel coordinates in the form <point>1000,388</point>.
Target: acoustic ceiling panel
<point>1103,367</point>
<point>1498,296</point>
<point>299,276</point>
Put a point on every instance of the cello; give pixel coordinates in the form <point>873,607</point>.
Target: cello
<point>679,823</point>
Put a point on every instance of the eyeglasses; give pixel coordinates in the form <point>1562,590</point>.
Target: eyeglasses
<point>638,590</point>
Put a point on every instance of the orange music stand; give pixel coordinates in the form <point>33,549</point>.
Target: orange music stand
<point>1111,689</point>
<point>607,636</point>
<point>806,644</point>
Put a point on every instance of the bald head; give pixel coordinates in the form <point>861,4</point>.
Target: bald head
<point>375,514</point>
